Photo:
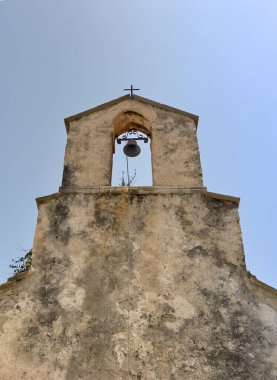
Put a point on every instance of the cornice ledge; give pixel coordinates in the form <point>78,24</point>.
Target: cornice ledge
<point>46,198</point>
<point>142,190</point>
<point>222,197</point>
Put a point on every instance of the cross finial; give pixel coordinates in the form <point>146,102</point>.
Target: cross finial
<point>132,89</point>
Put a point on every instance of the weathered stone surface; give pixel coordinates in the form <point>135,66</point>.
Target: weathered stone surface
<point>175,155</point>
<point>133,286</point>
<point>143,283</point>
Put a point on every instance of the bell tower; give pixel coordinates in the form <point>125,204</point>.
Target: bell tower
<point>137,283</point>
<point>92,135</point>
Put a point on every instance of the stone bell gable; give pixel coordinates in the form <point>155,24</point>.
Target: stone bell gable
<point>142,283</point>
<point>90,143</point>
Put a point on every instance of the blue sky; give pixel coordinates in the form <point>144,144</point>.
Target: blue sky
<point>215,58</point>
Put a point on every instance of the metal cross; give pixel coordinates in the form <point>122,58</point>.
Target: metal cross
<point>132,89</point>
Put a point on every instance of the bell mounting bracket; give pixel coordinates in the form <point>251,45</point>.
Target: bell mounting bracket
<point>132,135</point>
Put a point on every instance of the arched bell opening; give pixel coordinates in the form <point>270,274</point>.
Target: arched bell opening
<point>132,163</point>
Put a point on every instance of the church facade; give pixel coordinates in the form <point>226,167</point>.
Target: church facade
<point>143,283</point>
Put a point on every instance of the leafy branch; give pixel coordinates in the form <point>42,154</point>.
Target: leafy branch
<point>23,263</point>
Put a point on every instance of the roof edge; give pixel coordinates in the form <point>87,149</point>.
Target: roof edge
<point>223,197</point>
<point>17,277</point>
<point>168,108</point>
<point>77,116</point>
<point>46,198</point>
<point>261,284</point>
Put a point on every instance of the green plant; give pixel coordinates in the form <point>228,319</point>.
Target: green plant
<point>23,263</point>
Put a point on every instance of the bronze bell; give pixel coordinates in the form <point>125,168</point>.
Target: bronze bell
<point>131,149</point>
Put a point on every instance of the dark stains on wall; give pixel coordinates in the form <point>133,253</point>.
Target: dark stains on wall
<point>108,267</point>
<point>53,267</point>
<point>69,174</point>
<point>142,205</point>
<point>183,217</point>
<point>234,347</point>
<point>111,213</point>
<point>104,217</point>
<point>95,345</point>
<point>59,226</point>
<point>217,210</point>
<point>220,258</point>
<point>197,251</point>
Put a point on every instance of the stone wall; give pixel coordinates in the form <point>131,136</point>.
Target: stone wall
<point>137,284</point>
